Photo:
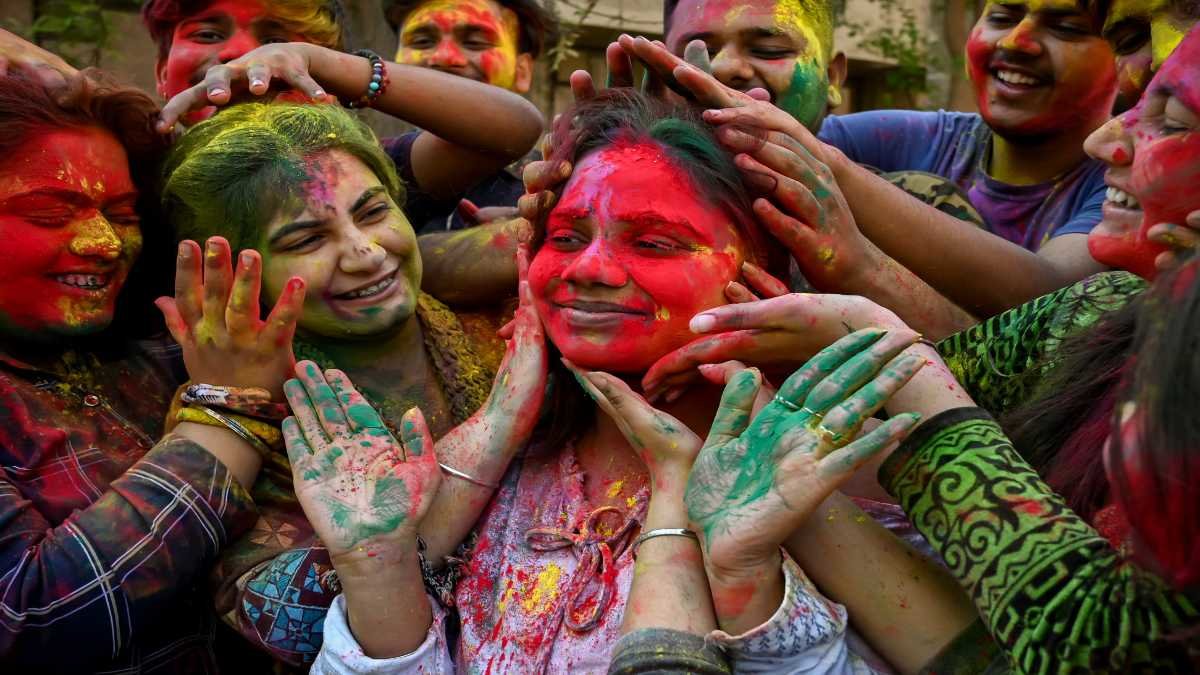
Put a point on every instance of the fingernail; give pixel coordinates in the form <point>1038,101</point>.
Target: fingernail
<point>256,82</point>
<point>185,251</point>
<point>702,323</point>
<point>217,91</point>
<point>318,93</point>
<point>564,169</point>
<point>247,259</point>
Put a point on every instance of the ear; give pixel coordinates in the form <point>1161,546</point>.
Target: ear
<point>836,72</point>
<point>160,75</point>
<point>524,77</point>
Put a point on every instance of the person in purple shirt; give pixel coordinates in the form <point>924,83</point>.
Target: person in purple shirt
<point>958,146</point>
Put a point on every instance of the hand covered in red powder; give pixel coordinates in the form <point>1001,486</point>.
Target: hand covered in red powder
<point>363,491</point>
<point>1183,241</point>
<point>215,318</point>
<point>516,398</point>
<point>759,476</point>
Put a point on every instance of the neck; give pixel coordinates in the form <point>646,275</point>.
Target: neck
<point>1034,161</point>
<point>613,470</point>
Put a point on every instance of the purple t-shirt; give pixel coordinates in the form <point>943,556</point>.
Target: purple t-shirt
<point>956,146</point>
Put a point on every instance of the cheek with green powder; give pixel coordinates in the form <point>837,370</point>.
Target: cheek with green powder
<point>807,92</point>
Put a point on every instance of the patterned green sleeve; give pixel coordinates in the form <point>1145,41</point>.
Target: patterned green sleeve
<point>1000,361</point>
<point>1051,591</point>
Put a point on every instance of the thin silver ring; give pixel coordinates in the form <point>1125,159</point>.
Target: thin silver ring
<point>787,404</point>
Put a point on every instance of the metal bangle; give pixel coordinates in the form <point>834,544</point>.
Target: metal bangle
<point>237,428</point>
<point>930,343</point>
<point>467,477</point>
<point>663,532</point>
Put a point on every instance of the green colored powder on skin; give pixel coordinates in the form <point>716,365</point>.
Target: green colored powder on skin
<point>805,97</point>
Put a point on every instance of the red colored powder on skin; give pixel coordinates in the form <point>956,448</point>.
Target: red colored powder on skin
<point>1165,169</point>
<point>60,194</point>
<point>732,602</point>
<point>631,230</point>
<point>1084,85</point>
<point>190,57</point>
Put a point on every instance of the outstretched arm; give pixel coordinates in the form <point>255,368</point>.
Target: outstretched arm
<point>471,129</point>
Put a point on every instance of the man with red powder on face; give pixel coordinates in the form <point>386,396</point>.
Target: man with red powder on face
<point>194,35</point>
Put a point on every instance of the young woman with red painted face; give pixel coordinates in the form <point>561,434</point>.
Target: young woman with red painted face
<point>629,251</point>
<point>108,524</point>
<point>1053,371</point>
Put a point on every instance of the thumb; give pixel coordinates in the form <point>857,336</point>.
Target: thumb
<point>720,373</point>
<point>415,435</point>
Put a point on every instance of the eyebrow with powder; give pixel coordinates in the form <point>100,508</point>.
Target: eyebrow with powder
<point>653,218</point>
<point>295,226</point>
<point>365,197</point>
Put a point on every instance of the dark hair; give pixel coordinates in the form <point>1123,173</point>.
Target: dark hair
<point>1157,482</point>
<point>322,22</point>
<point>97,100</point>
<point>1061,429</point>
<point>623,115</point>
<point>537,27</point>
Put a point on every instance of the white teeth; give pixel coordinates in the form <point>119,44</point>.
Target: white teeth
<point>89,282</point>
<point>373,289</point>
<point>1122,198</point>
<point>1012,77</point>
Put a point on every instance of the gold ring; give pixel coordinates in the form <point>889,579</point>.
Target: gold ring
<point>830,437</point>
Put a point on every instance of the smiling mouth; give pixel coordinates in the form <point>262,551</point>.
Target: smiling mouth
<point>1016,79</point>
<point>1119,197</point>
<point>377,288</point>
<point>85,282</point>
<point>590,307</point>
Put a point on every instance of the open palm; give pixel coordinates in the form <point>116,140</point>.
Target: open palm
<point>360,487</point>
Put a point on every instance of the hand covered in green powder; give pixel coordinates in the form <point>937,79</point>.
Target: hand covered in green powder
<point>364,491</point>
<point>756,480</point>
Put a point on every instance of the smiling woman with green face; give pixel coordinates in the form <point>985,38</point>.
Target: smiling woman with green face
<point>309,189</point>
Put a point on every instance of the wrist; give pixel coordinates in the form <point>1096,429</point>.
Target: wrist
<point>747,570</point>
<point>665,510</point>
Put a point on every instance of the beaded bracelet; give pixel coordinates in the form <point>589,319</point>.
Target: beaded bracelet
<point>376,85</point>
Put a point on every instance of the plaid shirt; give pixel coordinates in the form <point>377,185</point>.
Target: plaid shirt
<point>105,535</point>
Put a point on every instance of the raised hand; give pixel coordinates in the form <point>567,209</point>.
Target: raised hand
<point>666,445</point>
<point>756,480</point>
<point>54,73</point>
<point>364,491</point>
<point>1181,240</point>
<point>215,318</point>
<point>289,64</point>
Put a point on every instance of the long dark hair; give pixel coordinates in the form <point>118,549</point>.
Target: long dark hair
<point>1156,478</point>
<point>1061,429</point>
<point>625,115</point>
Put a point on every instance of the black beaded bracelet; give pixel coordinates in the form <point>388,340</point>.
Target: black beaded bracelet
<point>378,83</point>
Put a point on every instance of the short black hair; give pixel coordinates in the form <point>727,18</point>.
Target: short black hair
<point>537,27</point>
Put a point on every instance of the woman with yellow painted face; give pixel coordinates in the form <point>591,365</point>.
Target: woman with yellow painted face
<point>308,190</point>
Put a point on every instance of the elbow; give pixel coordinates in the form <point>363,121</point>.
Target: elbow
<point>528,126</point>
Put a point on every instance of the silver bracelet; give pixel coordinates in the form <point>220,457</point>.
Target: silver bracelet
<point>663,532</point>
<point>469,478</point>
<point>237,428</point>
